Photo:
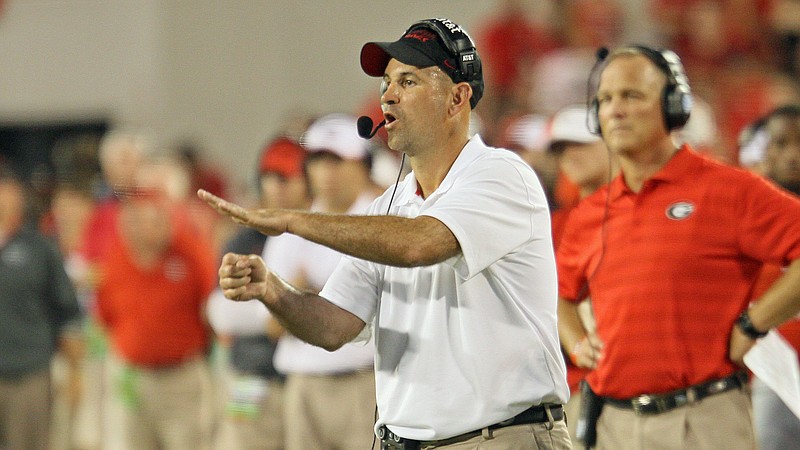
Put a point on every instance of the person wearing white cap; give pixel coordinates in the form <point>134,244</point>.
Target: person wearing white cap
<point>585,161</point>
<point>583,156</point>
<point>452,269</point>
<point>253,416</point>
<point>321,384</point>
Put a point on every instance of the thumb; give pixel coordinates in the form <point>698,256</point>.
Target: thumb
<point>258,267</point>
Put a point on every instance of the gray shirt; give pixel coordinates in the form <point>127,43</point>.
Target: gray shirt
<point>37,300</point>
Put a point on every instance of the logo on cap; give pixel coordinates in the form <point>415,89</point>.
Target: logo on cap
<point>421,35</point>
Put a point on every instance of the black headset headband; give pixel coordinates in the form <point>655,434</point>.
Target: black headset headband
<point>458,44</point>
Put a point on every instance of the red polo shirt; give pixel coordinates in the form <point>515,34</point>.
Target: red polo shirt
<point>671,267</point>
<point>155,317</point>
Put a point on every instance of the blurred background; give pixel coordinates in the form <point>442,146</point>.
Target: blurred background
<point>225,74</point>
<point>222,74</point>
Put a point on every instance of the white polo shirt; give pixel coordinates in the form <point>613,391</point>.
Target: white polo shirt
<point>472,341</point>
<point>292,257</point>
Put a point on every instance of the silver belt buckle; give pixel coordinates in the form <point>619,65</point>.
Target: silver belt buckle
<point>718,386</point>
<point>641,402</point>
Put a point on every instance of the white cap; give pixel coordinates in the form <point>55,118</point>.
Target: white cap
<point>569,125</point>
<point>336,133</point>
<point>754,149</point>
<point>528,132</point>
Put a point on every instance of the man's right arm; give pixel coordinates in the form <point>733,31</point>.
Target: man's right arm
<point>390,240</point>
<point>307,316</point>
<point>584,349</point>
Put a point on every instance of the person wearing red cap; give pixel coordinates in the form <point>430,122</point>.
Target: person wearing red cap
<point>669,252</point>
<point>316,378</point>
<point>451,271</point>
<point>254,406</point>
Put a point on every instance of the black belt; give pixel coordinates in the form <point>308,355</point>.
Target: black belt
<point>658,403</point>
<point>534,414</point>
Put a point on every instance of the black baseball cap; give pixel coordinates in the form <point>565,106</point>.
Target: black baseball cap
<point>419,46</point>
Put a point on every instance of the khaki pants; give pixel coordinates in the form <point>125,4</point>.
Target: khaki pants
<point>258,429</point>
<point>573,410</point>
<point>168,409</point>
<point>518,437</point>
<point>25,412</point>
<point>330,412</point>
<point>719,421</point>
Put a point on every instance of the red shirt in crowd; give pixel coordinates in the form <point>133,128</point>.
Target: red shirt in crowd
<point>155,317</point>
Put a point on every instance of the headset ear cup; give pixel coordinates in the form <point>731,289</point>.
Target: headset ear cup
<point>677,108</point>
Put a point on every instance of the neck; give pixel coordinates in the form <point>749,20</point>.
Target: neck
<point>431,165</point>
<point>639,167</point>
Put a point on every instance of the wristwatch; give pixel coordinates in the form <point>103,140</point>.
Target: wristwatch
<point>746,325</point>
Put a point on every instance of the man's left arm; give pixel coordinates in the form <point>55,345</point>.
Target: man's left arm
<point>778,304</point>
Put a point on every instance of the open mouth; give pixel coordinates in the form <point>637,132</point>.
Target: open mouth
<point>389,117</point>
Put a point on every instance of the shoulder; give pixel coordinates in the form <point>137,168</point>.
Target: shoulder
<point>480,160</point>
<point>719,170</point>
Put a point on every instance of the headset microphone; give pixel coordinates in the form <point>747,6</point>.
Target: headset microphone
<point>602,53</point>
<point>364,125</point>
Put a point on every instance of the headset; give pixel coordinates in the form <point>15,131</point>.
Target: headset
<point>676,100</point>
<point>458,44</point>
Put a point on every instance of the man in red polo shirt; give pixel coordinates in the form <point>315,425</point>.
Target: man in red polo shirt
<point>669,252</point>
<point>158,274</point>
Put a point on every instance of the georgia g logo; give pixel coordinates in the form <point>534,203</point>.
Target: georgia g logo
<point>680,210</point>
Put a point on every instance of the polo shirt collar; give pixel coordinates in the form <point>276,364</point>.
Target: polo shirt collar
<point>684,161</point>
<point>473,149</point>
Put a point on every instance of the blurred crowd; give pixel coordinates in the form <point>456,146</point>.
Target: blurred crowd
<point>147,354</point>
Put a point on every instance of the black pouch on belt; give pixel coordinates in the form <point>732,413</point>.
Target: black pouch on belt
<point>591,407</point>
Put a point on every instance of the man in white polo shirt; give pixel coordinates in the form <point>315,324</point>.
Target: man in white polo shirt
<point>452,272</point>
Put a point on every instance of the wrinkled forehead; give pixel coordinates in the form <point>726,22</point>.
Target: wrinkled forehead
<point>630,68</point>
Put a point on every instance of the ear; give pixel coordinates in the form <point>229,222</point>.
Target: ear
<point>461,93</point>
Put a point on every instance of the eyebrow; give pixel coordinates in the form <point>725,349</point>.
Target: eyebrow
<point>403,74</point>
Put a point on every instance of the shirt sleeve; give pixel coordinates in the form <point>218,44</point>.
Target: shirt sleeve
<point>355,287</point>
<point>770,223</point>
<point>495,198</point>
<point>570,260</point>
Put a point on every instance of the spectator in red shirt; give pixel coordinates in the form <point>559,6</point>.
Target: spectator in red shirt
<point>157,276</point>
<point>668,253</point>
<point>511,41</point>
